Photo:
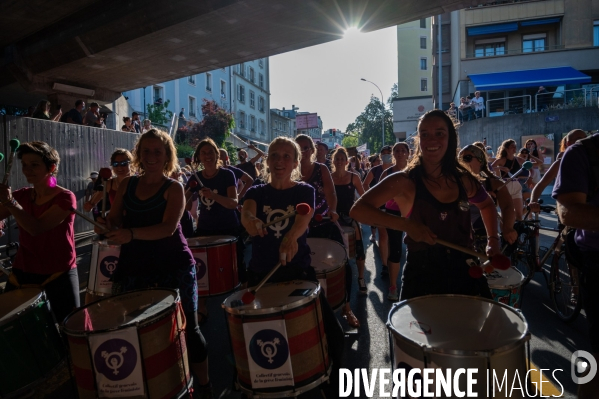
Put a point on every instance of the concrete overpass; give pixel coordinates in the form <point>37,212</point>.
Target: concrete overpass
<point>111,46</point>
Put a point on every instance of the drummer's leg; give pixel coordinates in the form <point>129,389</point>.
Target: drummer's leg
<point>63,294</point>
<point>395,250</point>
<point>360,253</point>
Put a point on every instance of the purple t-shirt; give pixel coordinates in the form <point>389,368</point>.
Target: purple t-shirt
<point>573,177</point>
<point>214,216</point>
<point>271,204</point>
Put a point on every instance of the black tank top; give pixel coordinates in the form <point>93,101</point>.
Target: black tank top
<point>345,196</point>
<point>449,221</point>
<point>513,166</point>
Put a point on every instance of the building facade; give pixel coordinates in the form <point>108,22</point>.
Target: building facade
<point>508,50</point>
<point>332,138</point>
<point>315,133</point>
<point>414,83</point>
<point>280,125</point>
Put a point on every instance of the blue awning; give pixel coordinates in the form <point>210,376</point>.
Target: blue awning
<point>529,78</point>
<point>540,21</point>
<point>497,28</point>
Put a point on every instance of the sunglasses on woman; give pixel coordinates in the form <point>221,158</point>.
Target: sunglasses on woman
<point>122,163</point>
<point>467,158</point>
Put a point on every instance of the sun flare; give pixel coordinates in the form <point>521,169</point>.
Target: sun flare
<point>351,32</point>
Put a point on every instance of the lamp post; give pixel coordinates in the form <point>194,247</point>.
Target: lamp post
<point>383,105</point>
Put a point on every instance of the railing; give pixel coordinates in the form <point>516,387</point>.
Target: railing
<point>174,125</point>
<point>575,98</point>
<point>509,105</point>
<point>594,96</point>
<point>499,53</point>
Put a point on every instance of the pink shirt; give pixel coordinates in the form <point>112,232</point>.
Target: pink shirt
<point>54,250</point>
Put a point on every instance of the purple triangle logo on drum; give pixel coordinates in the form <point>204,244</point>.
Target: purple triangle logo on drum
<point>115,359</point>
<point>200,268</point>
<point>269,349</point>
<point>108,266</point>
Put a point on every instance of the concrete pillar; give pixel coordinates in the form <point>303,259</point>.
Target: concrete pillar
<point>579,20</point>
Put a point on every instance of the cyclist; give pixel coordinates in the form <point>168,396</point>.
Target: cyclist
<point>578,206</point>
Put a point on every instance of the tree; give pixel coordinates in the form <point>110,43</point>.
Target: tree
<point>368,126</point>
<point>394,94</point>
<point>216,123</point>
<point>159,114</point>
<point>349,141</point>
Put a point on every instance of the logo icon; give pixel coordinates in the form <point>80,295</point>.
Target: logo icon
<point>115,359</point>
<point>108,265</point>
<point>208,202</point>
<point>269,349</point>
<point>272,214</point>
<point>200,268</point>
<point>583,364</point>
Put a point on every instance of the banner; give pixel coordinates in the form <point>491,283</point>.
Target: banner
<point>362,147</point>
<point>117,363</point>
<point>268,354</point>
<point>201,258</point>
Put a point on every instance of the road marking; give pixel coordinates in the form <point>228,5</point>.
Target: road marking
<point>548,388</point>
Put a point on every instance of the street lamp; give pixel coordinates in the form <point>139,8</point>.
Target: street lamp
<point>383,104</point>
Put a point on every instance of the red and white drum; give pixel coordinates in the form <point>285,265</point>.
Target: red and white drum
<point>130,345</point>
<point>349,237</point>
<point>104,261</point>
<point>216,264</point>
<point>278,340</point>
<point>328,259</point>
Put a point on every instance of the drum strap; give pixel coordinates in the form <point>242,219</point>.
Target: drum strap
<point>13,280</point>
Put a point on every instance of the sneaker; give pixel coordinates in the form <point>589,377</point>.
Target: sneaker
<point>362,286</point>
<point>392,295</point>
<point>385,272</point>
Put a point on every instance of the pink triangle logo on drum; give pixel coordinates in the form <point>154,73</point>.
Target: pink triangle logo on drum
<point>422,328</point>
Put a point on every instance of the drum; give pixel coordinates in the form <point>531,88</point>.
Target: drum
<point>31,345</point>
<point>506,286</point>
<point>328,259</point>
<point>278,341</point>
<point>456,331</point>
<point>105,259</point>
<point>216,264</point>
<point>130,345</point>
<point>349,236</point>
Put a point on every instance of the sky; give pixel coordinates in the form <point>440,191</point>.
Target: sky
<point>326,78</point>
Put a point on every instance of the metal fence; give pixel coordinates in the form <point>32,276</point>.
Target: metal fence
<point>82,149</point>
<point>509,106</point>
<point>563,99</point>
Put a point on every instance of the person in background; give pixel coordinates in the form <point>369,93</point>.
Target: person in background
<point>533,154</point>
<point>244,181</point>
<point>182,114</point>
<point>249,165</point>
<point>452,112</point>
<point>74,115</point>
<point>92,117</point>
<point>478,105</point>
<point>128,126</point>
<point>136,122</point>
<point>542,99</point>
<point>43,112</point>
<point>507,163</point>
<point>321,154</point>
<point>147,126</point>
<point>89,190</point>
<point>355,164</point>
<point>464,110</point>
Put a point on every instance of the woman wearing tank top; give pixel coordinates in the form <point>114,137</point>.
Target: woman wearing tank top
<point>433,193</point>
<point>144,219</point>
<point>120,161</point>
<point>508,163</point>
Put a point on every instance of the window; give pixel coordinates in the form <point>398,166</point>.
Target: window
<point>596,33</point>
<point>241,69</point>
<point>261,81</point>
<point>252,77</point>
<point>261,63</point>
<point>192,106</point>
<point>191,80</point>
<point>261,104</point>
<point>241,120</point>
<point>158,93</point>
<point>223,89</point>
<point>423,64</point>
<point>252,99</point>
<point>423,23</point>
<point>262,126</point>
<point>533,43</point>
<point>423,42</point>
<point>489,49</point>
<point>423,85</point>
<point>252,123</point>
<point>241,94</point>
<point>208,82</point>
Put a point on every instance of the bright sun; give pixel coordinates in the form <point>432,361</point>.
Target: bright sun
<point>351,33</point>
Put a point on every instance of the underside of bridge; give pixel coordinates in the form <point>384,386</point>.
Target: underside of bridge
<point>111,46</point>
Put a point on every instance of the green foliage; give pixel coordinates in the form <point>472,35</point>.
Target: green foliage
<point>232,150</point>
<point>216,123</point>
<point>184,150</point>
<point>349,141</point>
<point>368,126</point>
<point>159,114</point>
<point>394,94</point>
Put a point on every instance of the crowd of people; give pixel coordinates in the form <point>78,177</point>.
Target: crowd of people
<point>438,189</point>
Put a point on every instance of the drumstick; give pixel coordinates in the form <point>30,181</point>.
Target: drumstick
<point>105,174</point>
<point>84,216</point>
<point>14,145</point>
<point>189,162</point>
<point>250,295</point>
<point>499,261</point>
<point>300,209</point>
<point>192,184</point>
<point>525,166</point>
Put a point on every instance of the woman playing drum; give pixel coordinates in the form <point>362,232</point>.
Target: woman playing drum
<point>433,192</point>
<point>145,220</point>
<point>120,161</point>
<point>46,254</point>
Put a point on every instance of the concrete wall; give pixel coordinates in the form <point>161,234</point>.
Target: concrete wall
<point>498,129</point>
<point>82,149</point>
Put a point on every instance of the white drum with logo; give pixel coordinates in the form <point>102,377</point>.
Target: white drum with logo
<point>457,331</point>
<point>281,333</point>
<point>328,260</point>
<point>130,345</point>
<point>506,286</point>
<point>104,261</point>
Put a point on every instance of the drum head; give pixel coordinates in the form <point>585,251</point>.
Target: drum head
<point>14,302</point>
<point>326,254</point>
<point>121,310</point>
<point>506,279</point>
<point>274,297</point>
<point>457,324</point>
<point>210,241</point>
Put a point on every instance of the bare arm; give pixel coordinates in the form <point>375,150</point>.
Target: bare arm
<point>508,214</point>
<point>547,178</point>
<point>575,212</point>
<point>357,184</point>
<point>229,201</point>
<point>367,180</point>
<point>247,183</point>
<point>259,154</point>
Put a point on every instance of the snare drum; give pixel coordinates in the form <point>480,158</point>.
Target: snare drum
<point>349,236</point>
<point>457,331</point>
<point>216,264</point>
<point>506,286</point>
<point>105,259</point>
<point>31,345</point>
<point>278,341</point>
<point>328,260</point>
<point>130,345</point>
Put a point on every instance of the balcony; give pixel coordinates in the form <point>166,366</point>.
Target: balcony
<point>486,53</point>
